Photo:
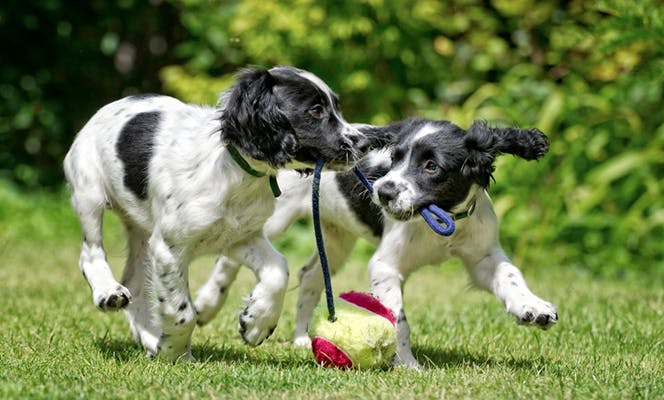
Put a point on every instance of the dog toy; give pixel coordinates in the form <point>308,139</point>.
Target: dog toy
<point>361,335</point>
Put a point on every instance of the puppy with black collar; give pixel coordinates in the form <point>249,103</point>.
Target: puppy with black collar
<point>187,180</point>
<point>429,162</point>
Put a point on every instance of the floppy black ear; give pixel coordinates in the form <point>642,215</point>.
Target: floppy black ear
<point>484,144</point>
<point>252,121</point>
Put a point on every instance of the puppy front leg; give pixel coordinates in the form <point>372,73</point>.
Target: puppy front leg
<point>386,284</point>
<point>263,306</point>
<point>339,243</point>
<point>311,286</point>
<point>176,316</point>
<point>496,273</point>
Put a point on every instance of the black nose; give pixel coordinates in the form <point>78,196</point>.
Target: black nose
<point>387,192</point>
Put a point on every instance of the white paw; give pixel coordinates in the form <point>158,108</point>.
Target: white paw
<point>302,342</point>
<point>183,358</point>
<point>145,338</point>
<point>205,314</point>
<point>534,311</point>
<point>175,349</point>
<point>207,306</point>
<point>258,320</point>
<point>209,300</point>
<point>112,299</point>
<point>405,360</point>
<point>187,358</point>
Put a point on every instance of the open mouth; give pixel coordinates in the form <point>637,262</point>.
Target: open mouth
<point>399,214</point>
<point>340,165</point>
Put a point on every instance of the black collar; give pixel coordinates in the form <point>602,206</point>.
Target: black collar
<point>467,213</point>
<point>237,157</point>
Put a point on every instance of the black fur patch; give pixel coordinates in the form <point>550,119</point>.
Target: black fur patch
<point>268,116</point>
<point>253,121</point>
<point>444,163</point>
<point>359,198</point>
<point>135,148</point>
<point>143,96</point>
<point>446,187</point>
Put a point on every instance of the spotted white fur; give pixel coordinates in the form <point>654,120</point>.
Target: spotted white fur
<point>197,200</point>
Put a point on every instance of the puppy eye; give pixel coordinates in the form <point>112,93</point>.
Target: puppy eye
<point>431,167</point>
<point>317,111</point>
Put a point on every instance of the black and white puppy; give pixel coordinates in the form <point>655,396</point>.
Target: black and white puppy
<point>165,168</point>
<point>429,162</point>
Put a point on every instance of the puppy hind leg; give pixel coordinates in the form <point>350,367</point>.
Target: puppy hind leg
<point>137,269</point>
<point>263,306</point>
<point>174,315</point>
<point>338,246</point>
<point>107,293</point>
<point>212,295</point>
<point>311,286</point>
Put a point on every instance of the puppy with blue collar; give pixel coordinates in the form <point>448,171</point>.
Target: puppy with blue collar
<point>428,162</point>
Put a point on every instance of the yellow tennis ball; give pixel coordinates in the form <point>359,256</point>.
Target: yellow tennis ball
<point>363,335</point>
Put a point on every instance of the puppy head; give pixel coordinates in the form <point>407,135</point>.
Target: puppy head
<point>288,116</point>
<point>438,162</point>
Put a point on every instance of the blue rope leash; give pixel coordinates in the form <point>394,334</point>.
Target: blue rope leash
<point>318,233</point>
<point>437,219</point>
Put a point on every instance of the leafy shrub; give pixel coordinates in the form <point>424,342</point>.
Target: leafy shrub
<point>588,74</point>
<point>60,63</point>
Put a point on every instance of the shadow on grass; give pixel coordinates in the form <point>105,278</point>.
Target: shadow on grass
<point>127,350</point>
<point>120,350</point>
<point>233,353</point>
<point>431,357</point>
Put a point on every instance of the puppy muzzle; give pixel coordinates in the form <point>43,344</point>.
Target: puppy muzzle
<point>359,142</point>
<point>353,146</point>
<point>395,199</point>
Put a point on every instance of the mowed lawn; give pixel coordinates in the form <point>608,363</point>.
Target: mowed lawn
<point>54,343</point>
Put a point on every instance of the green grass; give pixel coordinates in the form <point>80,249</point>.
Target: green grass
<point>55,344</point>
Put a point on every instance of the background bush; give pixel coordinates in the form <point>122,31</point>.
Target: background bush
<point>588,74</point>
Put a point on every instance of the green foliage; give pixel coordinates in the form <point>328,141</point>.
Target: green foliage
<point>588,74</point>
<point>60,63</point>
<point>38,216</point>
